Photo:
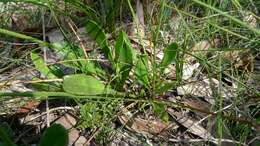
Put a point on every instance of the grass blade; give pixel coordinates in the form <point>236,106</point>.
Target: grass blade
<point>257,31</point>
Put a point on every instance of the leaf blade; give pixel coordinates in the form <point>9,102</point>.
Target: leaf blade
<point>56,135</point>
<point>141,70</point>
<point>41,66</point>
<point>124,57</point>
<point>170,54</point>
<point>81,84</point>
<point>96,33</point>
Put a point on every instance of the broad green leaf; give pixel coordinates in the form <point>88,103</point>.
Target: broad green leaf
<point>81,84</point>
<point>141,70</point>
<point>159,110</point>
<point>56,135</point>
<point>124,53</point>
<point>41,66</point>
<point>124,57</point>
<point>170,54</point>
<point>96,33</point>
<point>94,68</point>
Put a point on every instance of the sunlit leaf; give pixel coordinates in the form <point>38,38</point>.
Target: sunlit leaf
<point>73,57</point>
<point>141,70</point>
<point>124,56</point>
<point>41,66</point>
<point>170,54</point>
<point>81,84</point>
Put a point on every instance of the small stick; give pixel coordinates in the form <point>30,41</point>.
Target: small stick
<point>205,140</point>
<point>80,41</point>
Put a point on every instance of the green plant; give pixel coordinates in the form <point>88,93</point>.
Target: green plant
<point>92,85</point>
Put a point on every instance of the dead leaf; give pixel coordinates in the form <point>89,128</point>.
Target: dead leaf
<point>239,59</point>
<point>190,125</point>
<point>204,89</point>
<point>29,106</point>
<point>67,120</point>
<point>188,70</point>
<point>198,104</point>
<point>250,19</point>
<point>146,127</point>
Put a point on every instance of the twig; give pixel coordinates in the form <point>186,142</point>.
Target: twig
<point>205,140</point>
<point>45,60</point>
<point>79,39</point>
<point>252,140</point>
<point>209,115</point>
<point>30,82</point>
<point>17,44</point>
<point>47,113</point>
<point>50,111</point>
<point>92,136</point>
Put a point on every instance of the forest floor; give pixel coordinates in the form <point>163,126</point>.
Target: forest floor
<point>129,72</point>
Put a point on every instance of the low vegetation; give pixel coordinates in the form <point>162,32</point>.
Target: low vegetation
<point>145,72</point>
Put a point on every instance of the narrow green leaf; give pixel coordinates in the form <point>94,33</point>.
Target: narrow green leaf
<point>225,14</point>
<point>170,54</point>
<point>159,110</point>
<point>96,33</point>
<point>80,6</point>
<point>40,66</point>
<point>124,57</point>
<point>41,95</point>
<point>81,84</point>
<point>141,70</point>
<point>56,70</point>
<point>25,37</point>
<point>163,87</point>
<point>46,87</point>
<point>56,135</point>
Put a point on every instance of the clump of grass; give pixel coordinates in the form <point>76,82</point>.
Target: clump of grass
<point>195,21</point>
